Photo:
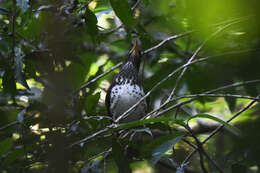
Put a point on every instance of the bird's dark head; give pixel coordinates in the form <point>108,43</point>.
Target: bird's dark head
<point>134,55</point>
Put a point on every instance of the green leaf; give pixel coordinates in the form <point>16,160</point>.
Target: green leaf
<point>6,145</point>
<point>102,8</point>
<point>14,155</point>
<point>120,159</point>
<point>91,102</point>
<point>91,21</point>
<point>123,12</point>
<point>8,82</point>
<point>4,11</point>
<point>76,73</point>
<point>157,148</point>
<point>215,119</point>
<point>149,121</point>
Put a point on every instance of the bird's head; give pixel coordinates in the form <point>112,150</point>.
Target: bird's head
<point>134,55</point>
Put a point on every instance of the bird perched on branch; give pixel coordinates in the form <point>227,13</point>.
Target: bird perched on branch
<point>126,89</point>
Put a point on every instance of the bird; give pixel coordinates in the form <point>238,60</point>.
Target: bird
<point>126,89</point>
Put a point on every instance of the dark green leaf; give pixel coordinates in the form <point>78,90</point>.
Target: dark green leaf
<point>91,102</point>
<point>91,22</point>
<point>18,153</point>
<point>123,12</point>
<point>120,159</point>
<point>157,148</point>
<point>5,145</point>
<point>215,119</point>
<point>8,83</point>
<point>76,73</point>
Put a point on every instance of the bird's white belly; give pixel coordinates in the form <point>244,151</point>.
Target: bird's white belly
<point>124,97</point>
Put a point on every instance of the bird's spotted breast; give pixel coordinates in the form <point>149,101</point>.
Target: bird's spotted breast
<point>125,96</point>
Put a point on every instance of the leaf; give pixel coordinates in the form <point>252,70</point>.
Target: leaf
<point>23,5</point>
<point>14,155</point>
<point>149,121</point>
<point>76,73</point>
<point>5,146</point>
<point>123,12</point>
<point>215,119</point>
<point>120,159</point>
<point>91,102</point>
<point>91,21</point>
<point>8,82</point>
<point>4,11</point>
<point>157,148</point>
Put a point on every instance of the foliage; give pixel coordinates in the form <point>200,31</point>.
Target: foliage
<point>201,70</point>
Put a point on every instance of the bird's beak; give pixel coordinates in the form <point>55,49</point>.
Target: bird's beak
<point>135,49</point>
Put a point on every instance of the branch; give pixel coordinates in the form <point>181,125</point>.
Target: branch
<point>221,126</point>
<point>208,92</point>
<point>13,31</point>
<point>92,136</point>
<point>16,122</point>
<point>96,78</point>
<point>193,57</point>
<point>199,148</point>
<point>218,95</point>
<point>166,40</point>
